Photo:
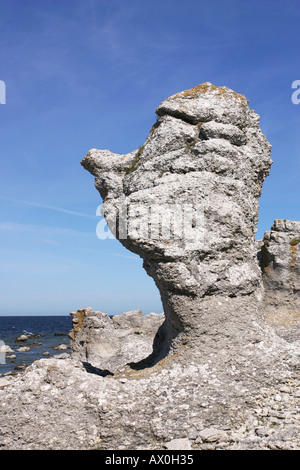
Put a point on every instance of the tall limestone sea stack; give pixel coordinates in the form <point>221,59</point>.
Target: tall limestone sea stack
<point>206,157</point>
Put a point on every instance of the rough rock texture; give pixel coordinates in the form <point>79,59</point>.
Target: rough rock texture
<point>57,404</point>
<point>110,343</point>
<point>280,263</point>
<point>219,376</point>
<point>206,151</point>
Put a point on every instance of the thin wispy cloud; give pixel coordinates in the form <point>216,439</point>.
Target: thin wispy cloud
<point>41,230</point>
<point>120,255</point>
<point>49,207</point>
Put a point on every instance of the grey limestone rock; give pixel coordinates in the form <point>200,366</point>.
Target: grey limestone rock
<point>23,349</point>
<point>179,444</point>
<point>109,343</point>
<point>280,263</point>
<point>207,157</point>
<point>212,435</point>
<point>57,404</point>
<point>22,338</point>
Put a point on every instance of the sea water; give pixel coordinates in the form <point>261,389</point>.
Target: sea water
<point>52,331</point>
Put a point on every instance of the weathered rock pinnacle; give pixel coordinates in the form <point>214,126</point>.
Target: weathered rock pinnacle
<point>280,262</point>
<point>187,203</point>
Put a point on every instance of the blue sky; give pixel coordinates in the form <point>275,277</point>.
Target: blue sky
<point>89,73</point>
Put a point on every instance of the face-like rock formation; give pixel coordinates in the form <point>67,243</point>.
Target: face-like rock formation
<point>187,203</point>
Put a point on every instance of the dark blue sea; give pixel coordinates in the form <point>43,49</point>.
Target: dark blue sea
<point>44,332</point>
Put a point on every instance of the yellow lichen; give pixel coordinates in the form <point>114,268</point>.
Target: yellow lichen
<point>282,317</point>
<point>208,87</point>
<point>77,321</point>
<point>294,249</point>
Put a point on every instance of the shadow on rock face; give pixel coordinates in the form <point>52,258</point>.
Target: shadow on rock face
<point>94,370</point>
<point>158,353</point>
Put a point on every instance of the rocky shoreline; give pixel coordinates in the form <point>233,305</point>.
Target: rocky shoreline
<point>196,406</point>
<point>19,347</point>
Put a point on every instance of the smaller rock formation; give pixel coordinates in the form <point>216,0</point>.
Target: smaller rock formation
<point>24,349</point>
<point>108,343</point>
<point>22,338</point>
<point>280,263</point>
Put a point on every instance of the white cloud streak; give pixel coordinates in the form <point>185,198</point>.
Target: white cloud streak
<point>49,207</point>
